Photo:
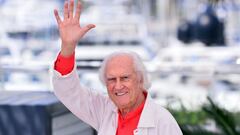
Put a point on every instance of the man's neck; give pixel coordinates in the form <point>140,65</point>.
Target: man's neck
<point>140,100</point>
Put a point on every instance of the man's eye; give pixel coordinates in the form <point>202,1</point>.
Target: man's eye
<point>110,79</point>
<point>125,78</point>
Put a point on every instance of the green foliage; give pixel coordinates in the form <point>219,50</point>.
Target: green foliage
<point>195,130</point>
<point>224,119</point>
<point>190,117</point>
<point>191,122</point>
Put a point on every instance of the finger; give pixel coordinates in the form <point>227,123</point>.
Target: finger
<point>78,10</point>
<point>71,8</point>
<point>57,17</point>
<point>88,27</point>
<point>65,10</point>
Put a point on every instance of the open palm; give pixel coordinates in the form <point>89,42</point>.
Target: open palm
<point>69,28</point>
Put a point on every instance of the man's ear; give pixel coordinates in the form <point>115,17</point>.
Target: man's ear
<point>141,80</point>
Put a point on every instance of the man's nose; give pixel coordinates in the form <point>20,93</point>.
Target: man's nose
<point>118,85</point>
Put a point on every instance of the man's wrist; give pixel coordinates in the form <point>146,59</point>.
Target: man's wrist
<point>67,49</point>
<point>66,54</point>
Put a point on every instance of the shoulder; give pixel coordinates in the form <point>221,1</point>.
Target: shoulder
<point>156,112</point>
<point>165,121</point>
<point>162,113</point>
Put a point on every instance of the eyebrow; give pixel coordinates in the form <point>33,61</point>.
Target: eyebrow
<point>112,76</point>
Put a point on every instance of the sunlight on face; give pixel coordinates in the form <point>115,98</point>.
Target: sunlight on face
<point>123,84</point>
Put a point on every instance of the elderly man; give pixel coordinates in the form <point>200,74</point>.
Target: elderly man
<point>128,109</point>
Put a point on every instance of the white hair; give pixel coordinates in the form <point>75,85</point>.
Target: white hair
<point>137,64</point>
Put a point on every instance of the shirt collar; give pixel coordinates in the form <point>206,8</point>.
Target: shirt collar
<point>147,118</point>
<point>113,107</point>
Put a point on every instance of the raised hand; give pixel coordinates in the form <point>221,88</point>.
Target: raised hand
<point>69,28</point>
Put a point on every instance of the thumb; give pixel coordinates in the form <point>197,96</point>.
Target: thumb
<point>88,27</point>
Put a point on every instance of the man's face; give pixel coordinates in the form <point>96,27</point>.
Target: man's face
<point>123,84</point>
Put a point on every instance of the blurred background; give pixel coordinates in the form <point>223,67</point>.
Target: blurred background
<point>191,50</point>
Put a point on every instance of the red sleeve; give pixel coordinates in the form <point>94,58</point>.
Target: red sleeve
<point>64,65</point>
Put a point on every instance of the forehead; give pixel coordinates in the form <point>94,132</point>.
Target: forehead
<point>120,65</point>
